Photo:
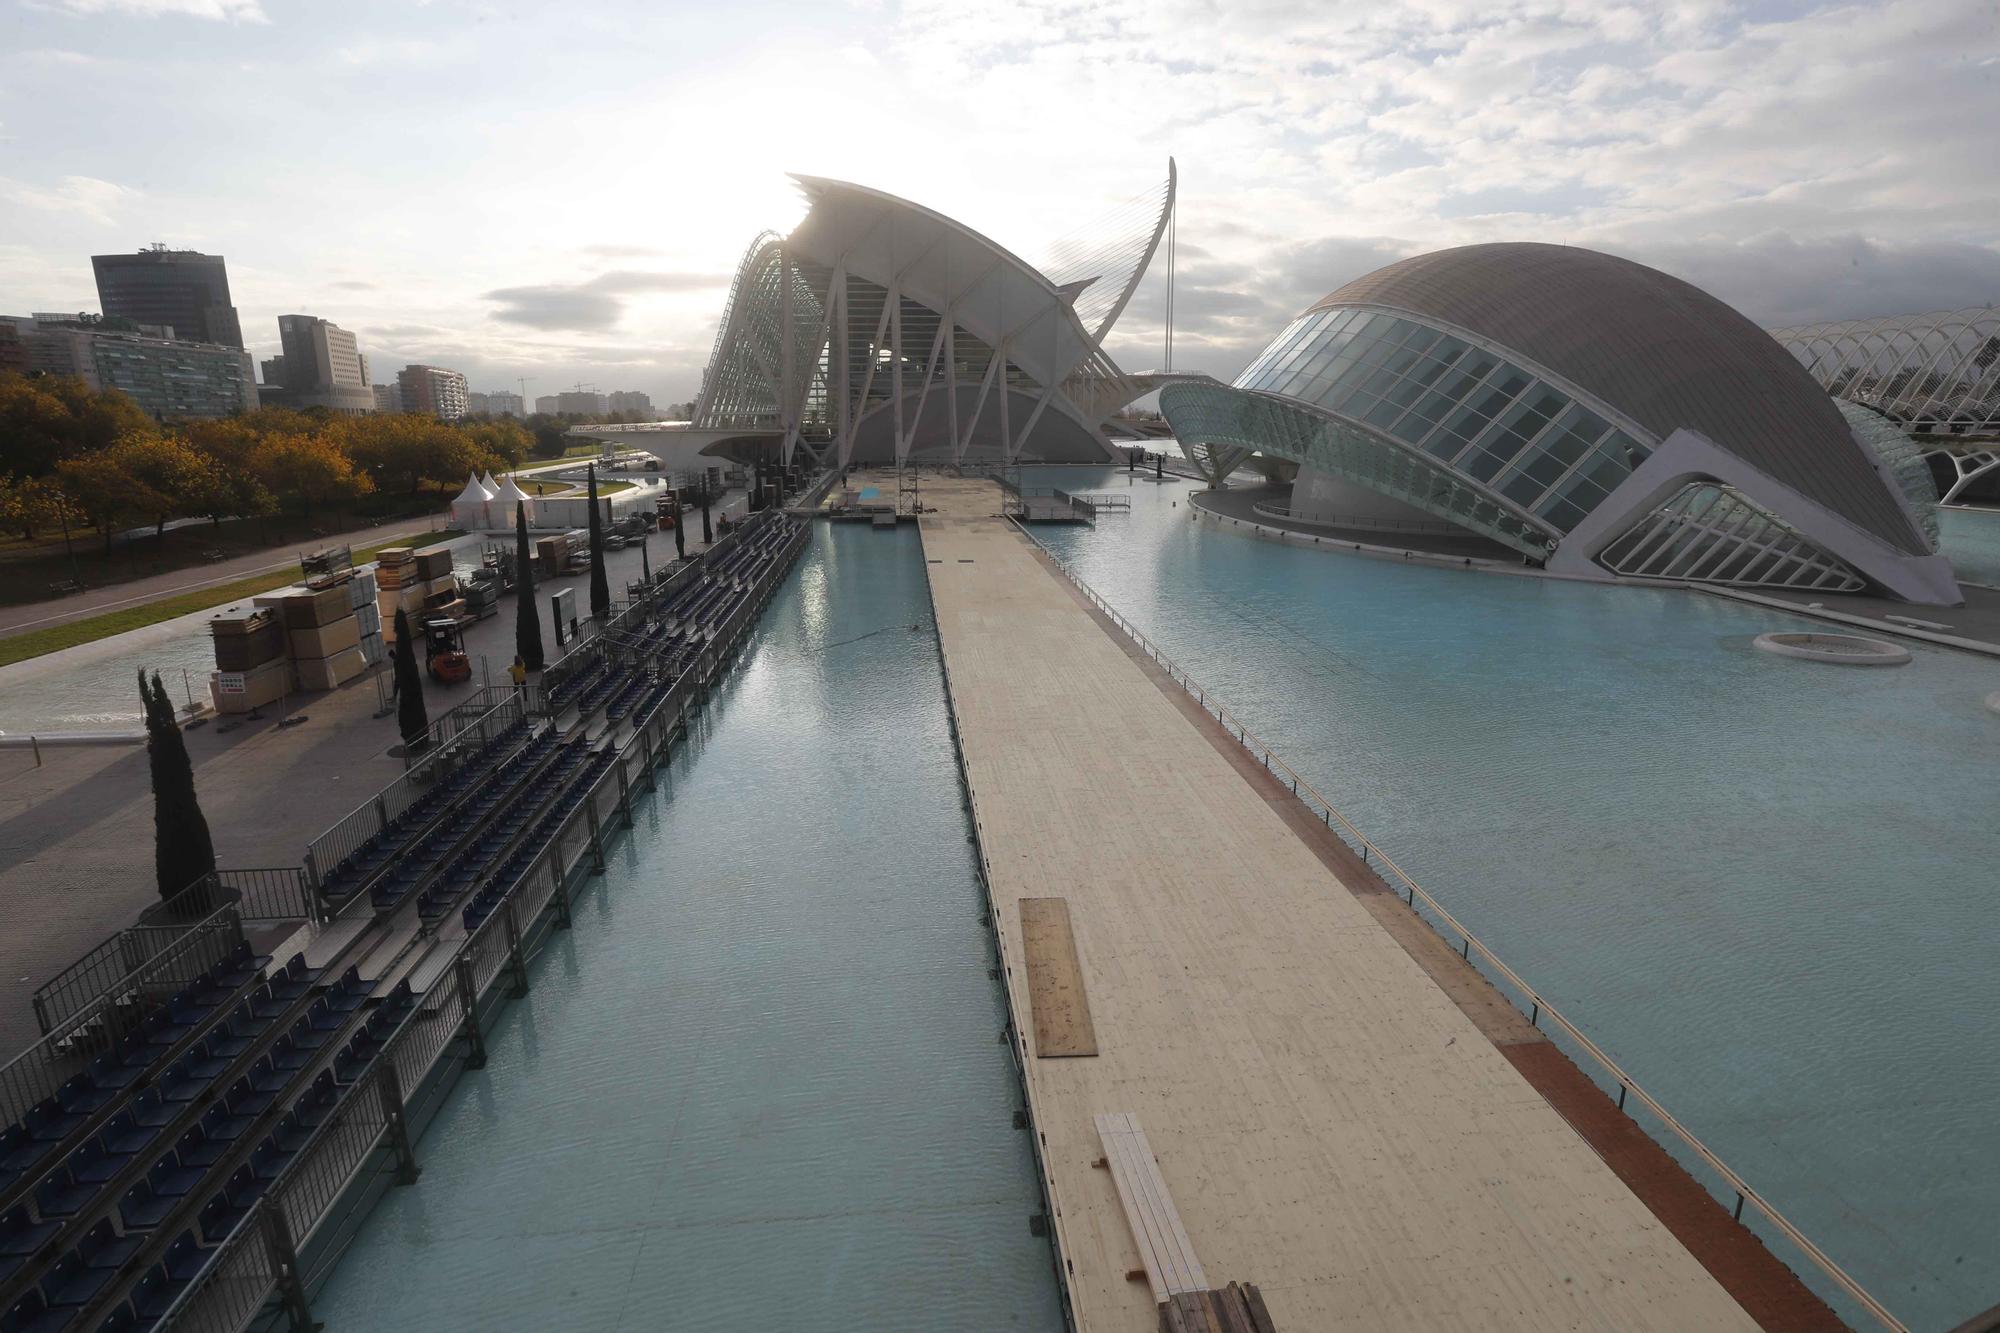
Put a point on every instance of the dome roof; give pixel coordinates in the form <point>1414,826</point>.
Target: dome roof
<point>1662,351</point>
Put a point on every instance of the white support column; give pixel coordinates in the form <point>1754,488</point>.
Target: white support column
<point>930,376</point>
<point>844,441</point>
<point>951,381</point>
<point>978,406</point>
<point>896,378</point>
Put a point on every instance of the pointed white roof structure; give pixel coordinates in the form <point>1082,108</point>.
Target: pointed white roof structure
<point>492,486</point>
<point>475,492</point>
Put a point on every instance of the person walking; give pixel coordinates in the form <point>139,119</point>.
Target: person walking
<point>519,674</point>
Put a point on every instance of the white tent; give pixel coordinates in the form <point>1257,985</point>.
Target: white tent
<point>505,496</point>
<point>468,511</point>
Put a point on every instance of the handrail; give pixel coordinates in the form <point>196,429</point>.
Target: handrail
<point>1285,513</point>
<point>1413,891</point>
<point>38,1071</point>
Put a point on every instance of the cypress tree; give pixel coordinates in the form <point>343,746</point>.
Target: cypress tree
<point>183,850</point>
<point>411,716</point>
<point>707,532</point>
<point>600,589</point>
<point>527,629</point>
<point>680,529</point>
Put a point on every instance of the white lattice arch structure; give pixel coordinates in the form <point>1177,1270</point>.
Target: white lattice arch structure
<point>882,331</point>
<point>1936,373</point>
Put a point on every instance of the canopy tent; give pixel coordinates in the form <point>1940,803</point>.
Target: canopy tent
<point>469,510</point>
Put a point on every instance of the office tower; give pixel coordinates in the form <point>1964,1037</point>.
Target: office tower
<point>431,389</point>
<point>321,366</point>
<point>183,289</point>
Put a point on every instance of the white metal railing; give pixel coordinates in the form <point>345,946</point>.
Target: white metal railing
<point>1374,856</point>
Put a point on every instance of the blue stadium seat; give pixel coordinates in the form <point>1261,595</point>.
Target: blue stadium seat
<point>101,1247</point>
<point>61,1195</point>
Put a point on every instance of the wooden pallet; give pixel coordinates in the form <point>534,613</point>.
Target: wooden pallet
<point>1236,1308</point>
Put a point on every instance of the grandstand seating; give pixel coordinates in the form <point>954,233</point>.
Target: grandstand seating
<point>355,870</point>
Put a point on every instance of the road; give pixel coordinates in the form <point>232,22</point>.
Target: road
<point>117,596</point>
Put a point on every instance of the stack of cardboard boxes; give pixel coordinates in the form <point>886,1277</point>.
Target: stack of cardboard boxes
<point>322,633</point>
<point>251,668</point>
<point>397,588</point>
<point>440,584</point>
<point>558,555</point>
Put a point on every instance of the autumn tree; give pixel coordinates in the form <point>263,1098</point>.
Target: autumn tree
<point>307,469</point>
<point>47,418</point>
<point>113,497</point>
<point>29,505</point>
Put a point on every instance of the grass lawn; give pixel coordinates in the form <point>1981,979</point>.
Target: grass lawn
<point>34,643</point>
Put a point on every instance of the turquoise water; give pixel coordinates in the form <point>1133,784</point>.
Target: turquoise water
<point>1765,886</point>
<point>1972,540</point>
<point>758,1086</point>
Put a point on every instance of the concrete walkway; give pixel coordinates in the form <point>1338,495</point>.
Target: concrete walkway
<point>1329,1122</point>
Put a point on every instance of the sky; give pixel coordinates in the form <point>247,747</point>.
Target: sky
<point>562,192</point>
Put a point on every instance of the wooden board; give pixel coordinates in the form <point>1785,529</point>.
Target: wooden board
<point>1164,1248</point>
<point>1055,980</point>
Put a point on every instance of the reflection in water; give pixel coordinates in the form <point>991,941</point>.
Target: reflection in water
<point>1765,886</point>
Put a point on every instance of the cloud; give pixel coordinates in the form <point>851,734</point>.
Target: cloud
<point>238,11</point>
<point>83,196</point>
<point>593,306</point>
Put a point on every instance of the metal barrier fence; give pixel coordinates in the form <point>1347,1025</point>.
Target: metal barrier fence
<point>1539,1008</point>
<point>259,1258</point>
<point>275,893</point>
<point>1284,513</point>
<point>100,1021</point>
<point>99,970</point>
<point>353,830</point>
<point>258,895</point>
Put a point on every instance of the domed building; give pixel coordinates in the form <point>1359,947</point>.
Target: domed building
<point>1594,416</point>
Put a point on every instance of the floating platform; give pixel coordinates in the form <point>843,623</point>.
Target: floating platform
<point>1329,1118</point>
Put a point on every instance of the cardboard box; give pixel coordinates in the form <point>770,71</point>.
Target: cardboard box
<point>241,691</point>
<point>330,673</point>
<point>243,620</point>
<point>242,652</point>
<point>434,562</point>
<point>323,640</point>
<point>302,608</point>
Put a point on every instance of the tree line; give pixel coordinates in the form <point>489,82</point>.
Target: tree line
<point>71,455</point>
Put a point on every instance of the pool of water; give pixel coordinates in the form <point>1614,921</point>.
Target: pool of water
<point>1972,540</point>
<point>758,1086</point>
<point>1765,886</point>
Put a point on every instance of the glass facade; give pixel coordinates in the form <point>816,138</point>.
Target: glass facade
<point>1484,417</point>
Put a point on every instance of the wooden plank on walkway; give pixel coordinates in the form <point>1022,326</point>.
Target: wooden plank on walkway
<point>1163,1242</point>
<point>1055,980</point>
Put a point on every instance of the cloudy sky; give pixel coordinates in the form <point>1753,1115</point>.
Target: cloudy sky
<point>560,192</point>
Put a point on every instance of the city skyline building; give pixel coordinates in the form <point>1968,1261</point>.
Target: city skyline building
<point>497,403</point>
<point>580,402</point>
<point>388,396</point>
<point>433,391</point>
<point>170,379</point>
<point>629,400</point>
<point>1589,414</point>
<point>184,290</point>
<point>321,366</point>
